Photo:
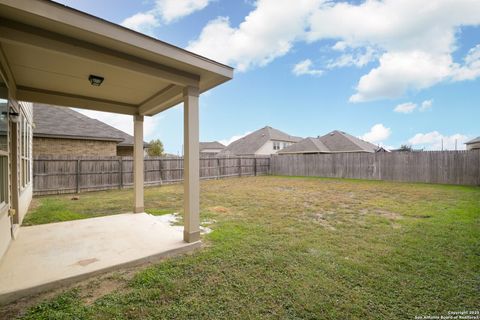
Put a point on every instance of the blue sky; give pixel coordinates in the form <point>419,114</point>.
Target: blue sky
<point>393,72</point>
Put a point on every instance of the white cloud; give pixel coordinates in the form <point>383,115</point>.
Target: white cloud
<point>227,141</point>
<point>416,41</point>
<point>171,10</point>
<point>399,72</point>
<point>426,105</point>
<point>305,67</point>
<point>412,41</point>
<point>471,68</point>
<point>268,32</point>
<point>358,57</point>
<point>142,22</point>
<point>434,140</point>
<point>407,107</point>
<point>166,11</point>
<point>377,134</point>
<point>124,122</point>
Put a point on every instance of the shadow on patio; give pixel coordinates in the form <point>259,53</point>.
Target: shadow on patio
<point>51,255</point>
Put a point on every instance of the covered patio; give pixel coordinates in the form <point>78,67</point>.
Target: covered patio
<point>56,254</point>
<point>56,55</point>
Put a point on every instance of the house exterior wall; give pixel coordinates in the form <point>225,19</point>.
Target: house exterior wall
<point>211,150</point>
<point>267,148</point>
<point>74,147</point>
<point>19,172</point>
<point>473,146</point>
<point>125,151</point>
<point>5,225</point>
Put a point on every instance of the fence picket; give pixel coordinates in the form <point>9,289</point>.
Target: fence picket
<point>445,167</point>
<point>65,174</point>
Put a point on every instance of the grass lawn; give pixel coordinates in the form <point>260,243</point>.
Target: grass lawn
<point>290,248</point>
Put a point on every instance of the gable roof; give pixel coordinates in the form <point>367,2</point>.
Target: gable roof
<point>307,145</point>
<point>477,139</point>
<point>333,142</point>
<point>249,144</point>
<point>62,122</point>
<point>211,145</point>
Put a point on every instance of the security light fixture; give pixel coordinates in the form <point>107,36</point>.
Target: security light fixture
<point>95,80</point>
<point>13,115</point>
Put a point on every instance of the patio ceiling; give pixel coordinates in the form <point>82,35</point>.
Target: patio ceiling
<point>48,51</point>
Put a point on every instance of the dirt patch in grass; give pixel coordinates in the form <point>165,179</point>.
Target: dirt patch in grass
<point>388,214</point>
<point>219,209</point>
<point>322,220</point>
<point>98,289</point>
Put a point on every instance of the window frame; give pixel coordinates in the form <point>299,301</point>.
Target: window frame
<point>4,166</point>
<point>276,145</point>
<point>25,151</point>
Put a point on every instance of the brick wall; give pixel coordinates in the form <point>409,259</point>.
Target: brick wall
<point>55,146</point>
<point>125,151</point>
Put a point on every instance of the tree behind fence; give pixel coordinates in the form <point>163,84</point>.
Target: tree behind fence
<point>446,167</point>
<point>56,175</point>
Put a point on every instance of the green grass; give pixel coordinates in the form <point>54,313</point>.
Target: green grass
<point>292,248</point>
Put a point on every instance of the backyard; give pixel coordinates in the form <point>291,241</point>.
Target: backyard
<point>289,248</point>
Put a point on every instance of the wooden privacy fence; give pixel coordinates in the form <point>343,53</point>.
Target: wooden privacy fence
<point>447,167</point>
<point>56,175</point>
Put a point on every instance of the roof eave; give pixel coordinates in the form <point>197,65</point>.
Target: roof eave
<point>74,137</point>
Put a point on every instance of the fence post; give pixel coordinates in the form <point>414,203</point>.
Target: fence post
<point>380,154</point>
<point>120,172</point>
<point>255,166</point>
<point>78,175</point>
<point>160,168</point>
<point>239,166</point>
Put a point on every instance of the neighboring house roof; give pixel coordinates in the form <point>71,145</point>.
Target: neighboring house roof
<point>307,145</point>
<point>211,145</point>
<point>333,142</point>
<point>62,122</point>
<point>249,144</point>
<point>476,140</point>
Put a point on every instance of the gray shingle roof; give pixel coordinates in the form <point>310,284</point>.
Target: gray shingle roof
<point>477,139</point>
<point>307,145</point>
<point>333,142</point>
<point>249,144</point>
<point>211,145</point>
<point>63,122</point>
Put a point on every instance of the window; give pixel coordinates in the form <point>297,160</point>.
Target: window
<point>25,150</point>
<point>3,151</point>
<point>3,125</point>
<point>276,145</point>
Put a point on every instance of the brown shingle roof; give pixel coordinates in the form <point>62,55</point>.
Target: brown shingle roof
<point>63,122</point>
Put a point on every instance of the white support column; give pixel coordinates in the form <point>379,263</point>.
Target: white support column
<point>191,163</point>
<point>138,164</point>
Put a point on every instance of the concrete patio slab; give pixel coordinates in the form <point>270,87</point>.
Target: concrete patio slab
<point>48,256</point>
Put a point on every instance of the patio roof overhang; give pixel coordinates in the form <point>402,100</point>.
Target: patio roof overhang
<point>48,51</point>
